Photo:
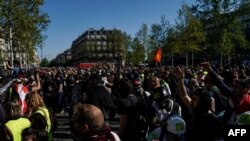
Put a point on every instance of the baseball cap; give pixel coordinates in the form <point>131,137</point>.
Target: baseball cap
<point>176,125</point>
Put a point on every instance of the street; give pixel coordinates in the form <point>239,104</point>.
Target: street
<point>62,133</point>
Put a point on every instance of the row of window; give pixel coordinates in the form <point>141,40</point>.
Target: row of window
<point>91,55</point>
<point>98,48</point>
<point>96,37</point>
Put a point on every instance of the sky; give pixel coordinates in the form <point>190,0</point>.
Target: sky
<point>71,18</point>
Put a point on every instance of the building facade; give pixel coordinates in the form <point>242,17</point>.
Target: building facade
<point>19,53</point>
<point>97,46</point>
<point>62,58</point>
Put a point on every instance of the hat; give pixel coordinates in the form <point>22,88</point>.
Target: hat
<point>176,125</point>
<point>243,119</point>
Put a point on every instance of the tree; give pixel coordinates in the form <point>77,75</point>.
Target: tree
<point>173,43</point>
<point>221,22</point>
<point>119,39</point>
<point>143,37</point>
<point>158,35</point>
<point>137,55</point>
<point>45,62</point>
<point>188,35</point>
<point>194,37</point>
<point>25,19</point>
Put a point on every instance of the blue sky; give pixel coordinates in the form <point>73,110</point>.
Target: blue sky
<point>70,18</point>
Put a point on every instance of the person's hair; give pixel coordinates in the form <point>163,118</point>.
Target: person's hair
<point>16,62</point>
<point>34,101</point>
<point>125,87</point>
<point>36,135</point>
<point>38,121</point>
<point>90,115</point>
<point>155,80</point>
<point>5,134</point>
<point>204,104</point>
<point>28,133</point>
<point>13,110</point>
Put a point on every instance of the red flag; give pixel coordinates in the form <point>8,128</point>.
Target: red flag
<point>157,57</point>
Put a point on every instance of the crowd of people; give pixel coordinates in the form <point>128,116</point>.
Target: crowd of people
<point>161,103</point>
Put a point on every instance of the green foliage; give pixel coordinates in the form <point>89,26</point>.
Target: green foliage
<point>120,44</point>
<point>224,31</point>
<point>143,37</point>
<point>194,35</point>
<point>137,55</point>
<point>187,36</point>
<point>173,43</point>
<point>45,62</point>
<point>26,21</point>
<point>158,36</point>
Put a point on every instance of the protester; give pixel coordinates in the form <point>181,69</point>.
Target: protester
<point>36,105</point>
<point>162,103</point>
<point>100,96</point>
<point>59,91</point>
<point>88,124</point>
<point>128,111</point>
<point>16,70</point>
<point>19,91</point>
<point>238,93</point>
<point>203,107</point>
<point>15,124</point>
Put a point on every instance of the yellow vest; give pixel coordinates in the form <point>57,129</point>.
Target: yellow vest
<point>44,112</point>
<point>17,126</point>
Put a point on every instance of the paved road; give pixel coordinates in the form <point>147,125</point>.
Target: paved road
<point>62,133</point>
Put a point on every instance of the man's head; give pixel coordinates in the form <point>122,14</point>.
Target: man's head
<point>86,118</point>
<point>97,78</point>
<point>154,82</point>
<point>241,87</point>
<point>16,63</point>
<point>125,87</point>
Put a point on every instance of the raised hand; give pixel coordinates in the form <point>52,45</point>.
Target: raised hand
<point>179,73</point>
<point>206,66</point>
